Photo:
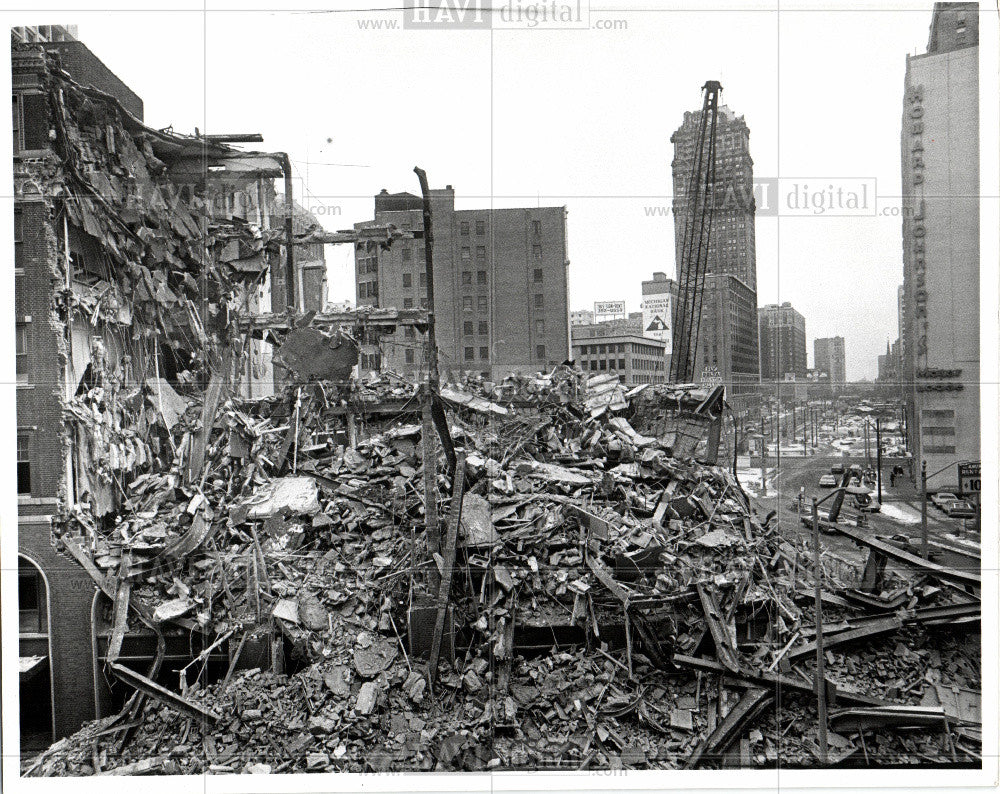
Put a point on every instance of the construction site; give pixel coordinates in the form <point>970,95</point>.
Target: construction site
<point>375,573</point>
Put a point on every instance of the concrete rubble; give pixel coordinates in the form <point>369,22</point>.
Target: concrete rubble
<point>610,599</point>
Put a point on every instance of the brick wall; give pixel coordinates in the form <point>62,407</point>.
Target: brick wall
<point>71,593</point>
<point>39,411</point>
<point>87,69</point>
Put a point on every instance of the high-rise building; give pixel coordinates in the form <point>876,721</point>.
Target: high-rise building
<point>782,342</point>
<point>732,246</point>
<point>501,299</point>
<point>729,304</point>
<point>727,348</point>
<point>829,357</point>
<point>581,317</point>
<point>940,171</point>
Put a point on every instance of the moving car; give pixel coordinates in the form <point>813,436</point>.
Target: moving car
<point>959,509</point>
<point>837,468</point>
<point>943,498</point>
<point>827,481</point>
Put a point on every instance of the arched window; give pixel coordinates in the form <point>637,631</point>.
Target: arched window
<point>35,655</point>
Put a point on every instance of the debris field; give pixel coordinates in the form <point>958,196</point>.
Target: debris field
<point>493,576</point>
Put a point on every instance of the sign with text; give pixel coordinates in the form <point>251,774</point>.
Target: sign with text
<point>609,310</point>
<point>970,480</point>
<point>656,311</point>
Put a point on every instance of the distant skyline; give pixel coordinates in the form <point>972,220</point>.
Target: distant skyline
<point>580,118</point>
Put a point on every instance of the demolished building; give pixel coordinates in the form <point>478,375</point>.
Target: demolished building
<point>359,574</point>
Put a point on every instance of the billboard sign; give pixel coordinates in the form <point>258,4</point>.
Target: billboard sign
<point>609,310</point>
<point>970,480</point>
<point>656,315</point>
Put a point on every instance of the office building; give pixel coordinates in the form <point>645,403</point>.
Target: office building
<point>829,357</point>
<point>501,300</point>
<point>782,342</point>
<point>940,177</point>
<point>727,348</point>
<point>732,246</point>
<point>622,350</point>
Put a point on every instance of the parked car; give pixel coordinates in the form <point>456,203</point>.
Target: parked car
<point>837,468</point>
<point>943,498</point>
<point>959,509</point>
<point>827,481</point>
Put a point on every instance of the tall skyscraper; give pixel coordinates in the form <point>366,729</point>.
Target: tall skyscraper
<point>782,342</point>
<point>501,297</point>
<point>829,357</point>
<point>731,286</point>
<point>732,247</point>
<point>940,170</point>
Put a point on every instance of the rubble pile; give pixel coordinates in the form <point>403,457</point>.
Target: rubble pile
<point>613,602</point>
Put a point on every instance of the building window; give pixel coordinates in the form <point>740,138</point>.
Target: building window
<point>482,303</point>
<point>480,253</point>
<point>539,327</point>
<point>407,254</point>
<point>18,125</point>
<point>621,363</point>
<point>422,279</point>
<point>467,303</point>
<point>484,352</point>
<point>407,280</point>
<point>18,226</point>
<point>611,364</point>
<point>467,327</point>
<point>21,352</point>
<point>539,300</point>
<point>602,365</point>
<point>470,353</point>
<point>480,227</point>
<point>32,609</point>
<point>593,366</point>
<point>423,302</point>
<point>409,332</point>
<point>408,355</point>
<point>23,464</point>
<point>480,277</point>
<point>483,328</point>
<point>466,277</point>
<point>536,227</point>
<point>540,352</point>
<point>538,276</point>
<point>464,226</point>
<point>466,253</point>
<point>407,303</point>
<point>536,253</point>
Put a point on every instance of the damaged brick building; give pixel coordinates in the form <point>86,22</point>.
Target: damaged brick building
<point>133,249</point>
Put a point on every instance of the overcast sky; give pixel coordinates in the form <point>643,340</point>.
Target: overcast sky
<point>575,117</point>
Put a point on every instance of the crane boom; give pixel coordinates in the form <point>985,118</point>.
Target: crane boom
<point>698,209</point>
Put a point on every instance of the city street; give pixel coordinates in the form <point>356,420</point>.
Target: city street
<point>900,514</point>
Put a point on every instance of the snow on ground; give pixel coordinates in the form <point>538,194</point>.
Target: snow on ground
<point>899,513</point>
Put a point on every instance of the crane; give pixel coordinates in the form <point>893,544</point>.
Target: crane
<point>697,209</point>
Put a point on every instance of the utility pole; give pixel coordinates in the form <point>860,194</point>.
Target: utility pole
<point>924,541</point>
<point>824,751</point>
<point>878,456</point>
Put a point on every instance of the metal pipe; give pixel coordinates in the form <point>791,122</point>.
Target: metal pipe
<point>924,540</point>
<point>824,750</point>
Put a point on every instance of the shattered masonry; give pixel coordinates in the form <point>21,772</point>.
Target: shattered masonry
<point>614,602</point>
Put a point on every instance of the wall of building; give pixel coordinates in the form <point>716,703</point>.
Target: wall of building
<point>940,169</point>
<point>500,286</point>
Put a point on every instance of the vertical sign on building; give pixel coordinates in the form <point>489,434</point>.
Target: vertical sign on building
<point>656,312</point>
